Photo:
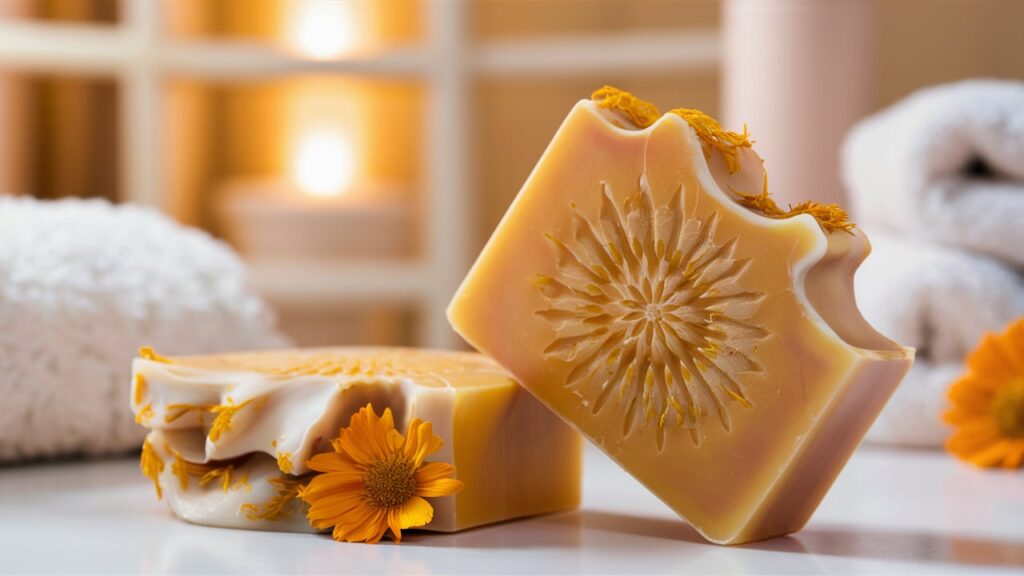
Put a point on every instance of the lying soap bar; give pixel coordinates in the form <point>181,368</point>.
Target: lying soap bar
<point>232,434</point>
<point>644,287</point>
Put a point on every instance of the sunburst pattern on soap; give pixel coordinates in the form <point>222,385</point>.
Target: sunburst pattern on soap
<point>425,366</point>
<point>649,308</point>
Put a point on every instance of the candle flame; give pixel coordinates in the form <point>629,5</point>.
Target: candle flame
<point>321,28</point>
<point>324,164</point>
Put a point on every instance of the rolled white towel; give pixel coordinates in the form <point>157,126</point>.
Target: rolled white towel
<point>82,285</point>
<point>940,301</point>
<point>945,164</point>
<point>913,415</point>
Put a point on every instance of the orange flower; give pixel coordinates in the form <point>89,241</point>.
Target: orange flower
<point>988,402</point>
<point>376,479</point>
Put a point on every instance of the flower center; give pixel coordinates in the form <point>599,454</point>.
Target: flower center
<point>390,482</point>
<point>652,312</point>
<point>1008,409</point>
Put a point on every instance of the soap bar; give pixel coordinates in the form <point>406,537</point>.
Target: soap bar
<point>644,286</point>
<point>231,435</point>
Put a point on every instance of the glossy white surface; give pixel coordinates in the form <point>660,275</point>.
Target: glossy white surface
<point>890,512</point>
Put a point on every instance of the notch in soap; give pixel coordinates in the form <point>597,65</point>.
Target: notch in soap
<point>248,440</point>
<point>645,286</point>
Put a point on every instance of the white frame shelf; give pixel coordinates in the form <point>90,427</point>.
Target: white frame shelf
<point>140,56</point>
<point>323,284</point>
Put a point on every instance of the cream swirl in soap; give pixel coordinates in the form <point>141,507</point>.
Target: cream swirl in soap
<point>231,435</point>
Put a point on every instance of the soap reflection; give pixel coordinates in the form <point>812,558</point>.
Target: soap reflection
<point>561,530</point>
<point>575,529</point>
<point>892,545</point>
<point>648,527</point>
<point>188,549</point>
<point>185,548</point>
<point>593,541</point>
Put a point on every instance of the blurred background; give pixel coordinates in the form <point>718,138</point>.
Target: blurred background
<point>358,154</point>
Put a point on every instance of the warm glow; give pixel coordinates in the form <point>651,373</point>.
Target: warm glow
<point>324,163</point>
<point>323,28</point>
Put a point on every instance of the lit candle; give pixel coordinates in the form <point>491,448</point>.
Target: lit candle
<point>323,29</point>
<point>324,208</point>
<point>268,220</point>
<point>324,164</point>
<point>322,211</point>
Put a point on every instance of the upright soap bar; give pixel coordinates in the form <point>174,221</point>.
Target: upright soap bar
<point>231,435</point>
<point>644,287</point>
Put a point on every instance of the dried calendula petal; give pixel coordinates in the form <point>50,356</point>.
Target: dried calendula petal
<point>646,288</point>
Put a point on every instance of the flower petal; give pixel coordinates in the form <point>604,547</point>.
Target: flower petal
<point>353,444</point>
<point>345,530</point>
<point>433,470</point>
<point>1011,346</point>
<point>367,438</point>
<point>991,455</point>
<point>420,442</point>
<point>1014,456</point>
<point>323,486</point>
<point>364,523</point>
<point>394,522</point>
<point>379,525</point>
<point>331,462</point>
<point>395,440</point>
<point>412,439</point>
<point>415,512</point>
<point>971,390</point>
<point>988,361</point>
<point>334,509</point>
<point>380,435</point>
<point>439,487</point>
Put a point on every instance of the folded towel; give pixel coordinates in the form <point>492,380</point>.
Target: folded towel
<point>82,285</point>
<point>945,165</point>
<point>940,301</point>
<point>912,416</point>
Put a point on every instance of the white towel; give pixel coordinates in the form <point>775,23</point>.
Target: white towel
<point>944,165</point>
<point>82,286</point>
<point>940,301</point>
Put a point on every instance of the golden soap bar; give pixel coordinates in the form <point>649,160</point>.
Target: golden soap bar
<point>233,436</point>
<point>644,286</point>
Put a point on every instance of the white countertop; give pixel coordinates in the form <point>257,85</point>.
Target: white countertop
<point>889,512</point>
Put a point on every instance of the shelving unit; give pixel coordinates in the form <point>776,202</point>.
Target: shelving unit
<point>141,57</point>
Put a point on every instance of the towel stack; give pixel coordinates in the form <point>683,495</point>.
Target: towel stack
<point>937,181</point>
